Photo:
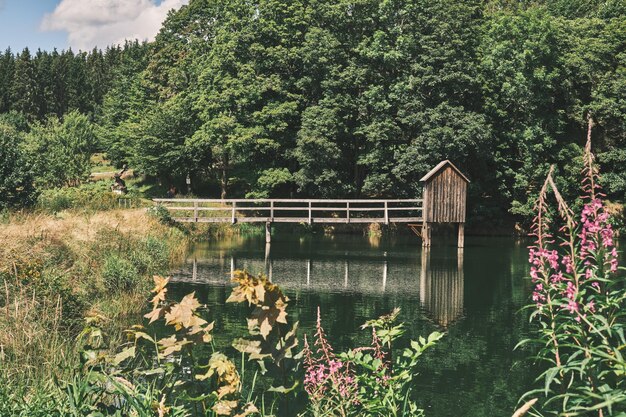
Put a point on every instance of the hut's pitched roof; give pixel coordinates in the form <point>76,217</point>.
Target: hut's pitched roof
<point>440,166</point>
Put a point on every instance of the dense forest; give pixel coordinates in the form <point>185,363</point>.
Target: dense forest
<point>331,98</point>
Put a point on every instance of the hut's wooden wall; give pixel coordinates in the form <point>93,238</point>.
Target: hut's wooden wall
<point>445,196</point>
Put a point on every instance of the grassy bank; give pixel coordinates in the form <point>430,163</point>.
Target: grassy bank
<point>57,269</point>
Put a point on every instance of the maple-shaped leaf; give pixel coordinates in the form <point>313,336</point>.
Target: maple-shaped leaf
<point>224,408</point>
<point>196,326</point>
<point>286,344</point>
<point>181,314</point>
<point>247,410</point>
<point>225,390</point>
<point>123,355</point>
<point>249,288</point>
<point>159,290</point>
<point>169,345</point>
<point>159,283</point>
<point>142,335</point>
<point>263,318</point>
<point>154,315</point>
<point>227,376</point>
<point>253,348</point>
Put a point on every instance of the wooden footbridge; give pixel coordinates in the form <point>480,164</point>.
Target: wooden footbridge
<point>444,201</point>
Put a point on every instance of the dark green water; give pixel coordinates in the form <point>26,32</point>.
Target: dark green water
<point>473,295</point>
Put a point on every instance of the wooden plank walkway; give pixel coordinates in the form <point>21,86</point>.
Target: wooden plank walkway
<point>311,211</point>
<point>444,201</point>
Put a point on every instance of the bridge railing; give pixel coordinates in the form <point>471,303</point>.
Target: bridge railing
<point>293,210</point>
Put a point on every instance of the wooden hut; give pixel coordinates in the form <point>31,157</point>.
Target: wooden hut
<point>445,199</point>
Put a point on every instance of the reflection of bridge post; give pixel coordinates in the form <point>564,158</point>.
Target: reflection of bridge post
<point>442,288</point>
<point>424,268</point>
<point>345,276</point>
<point>268,261</point>
<point>385,268</point>
<point>232,266</point>
<point>308,272</point>
<point>194,269</point>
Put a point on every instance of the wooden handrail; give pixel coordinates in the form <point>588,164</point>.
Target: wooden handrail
<point>283,200</point>
<point>295,210</point>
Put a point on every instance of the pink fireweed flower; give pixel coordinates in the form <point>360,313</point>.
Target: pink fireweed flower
<point>556,278</point>
<point>538,297</point>
<point>326,373</point>
<point>569,266</point>
<point>591,306</point>
<point>534,274</point>
<point>572,306</point>
<point>571,291</point>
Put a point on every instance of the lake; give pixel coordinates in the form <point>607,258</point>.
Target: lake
<point>473,295</point>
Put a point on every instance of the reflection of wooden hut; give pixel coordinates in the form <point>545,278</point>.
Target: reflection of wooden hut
<point>445,195</point>
<point>442,289</point>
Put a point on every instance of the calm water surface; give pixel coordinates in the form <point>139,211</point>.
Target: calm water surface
<point>474,295</point>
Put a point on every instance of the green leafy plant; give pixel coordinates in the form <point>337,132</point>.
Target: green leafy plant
<point>365,381</point>
<point>120,274</point>
<point>579,300</point>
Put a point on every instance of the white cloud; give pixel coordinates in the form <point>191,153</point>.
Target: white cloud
<point>91,23</point>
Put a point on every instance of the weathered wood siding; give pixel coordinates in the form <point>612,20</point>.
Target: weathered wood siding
<point>445,195</point>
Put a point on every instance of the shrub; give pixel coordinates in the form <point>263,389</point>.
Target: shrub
<point>120,274</point>
<point>16,179</point>
<point>160,213</point>
<point>90,196</point>
<point>152,256</point>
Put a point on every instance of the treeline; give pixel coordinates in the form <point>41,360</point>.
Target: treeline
<point>54,83</point>
<point>50,103</point>
<point>360,98</point>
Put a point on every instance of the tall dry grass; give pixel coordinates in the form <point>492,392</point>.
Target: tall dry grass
<point>51,276</point>
<point>33,347</point>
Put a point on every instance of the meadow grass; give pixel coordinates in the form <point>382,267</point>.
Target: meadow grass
<point>57,269</point>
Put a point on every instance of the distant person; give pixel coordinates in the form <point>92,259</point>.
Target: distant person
<point>171,193</point>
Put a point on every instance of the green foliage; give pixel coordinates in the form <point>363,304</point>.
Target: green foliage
<point>339,99</point>
<point>161,213</point>
<point>120,274</point>
<point>152,256</point>
<point>89,196</point>
<point>367,380</point>
<point>16,177</point>
<point>578,303</point>
<point>61,151</point>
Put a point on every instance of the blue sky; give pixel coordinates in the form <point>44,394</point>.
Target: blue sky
<point>79,24</point>
<point>20,22</point>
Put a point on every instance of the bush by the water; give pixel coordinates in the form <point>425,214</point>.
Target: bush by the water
<point>89,196</point>
<point>119,274</point>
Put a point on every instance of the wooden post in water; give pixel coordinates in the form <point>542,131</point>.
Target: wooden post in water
<point>461,241</point>
<point>268,232</point>
<point>426,232</point>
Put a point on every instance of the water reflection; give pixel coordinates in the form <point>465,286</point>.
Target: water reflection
<point>437,283</point>
<point>441,289</point>
<point>474,295</point>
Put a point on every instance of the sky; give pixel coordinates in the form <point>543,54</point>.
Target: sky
<point>79,24</point>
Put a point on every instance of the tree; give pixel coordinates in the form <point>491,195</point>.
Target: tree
<point>16,179</point>
<point>61,151</point>
<point>24,90</point>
